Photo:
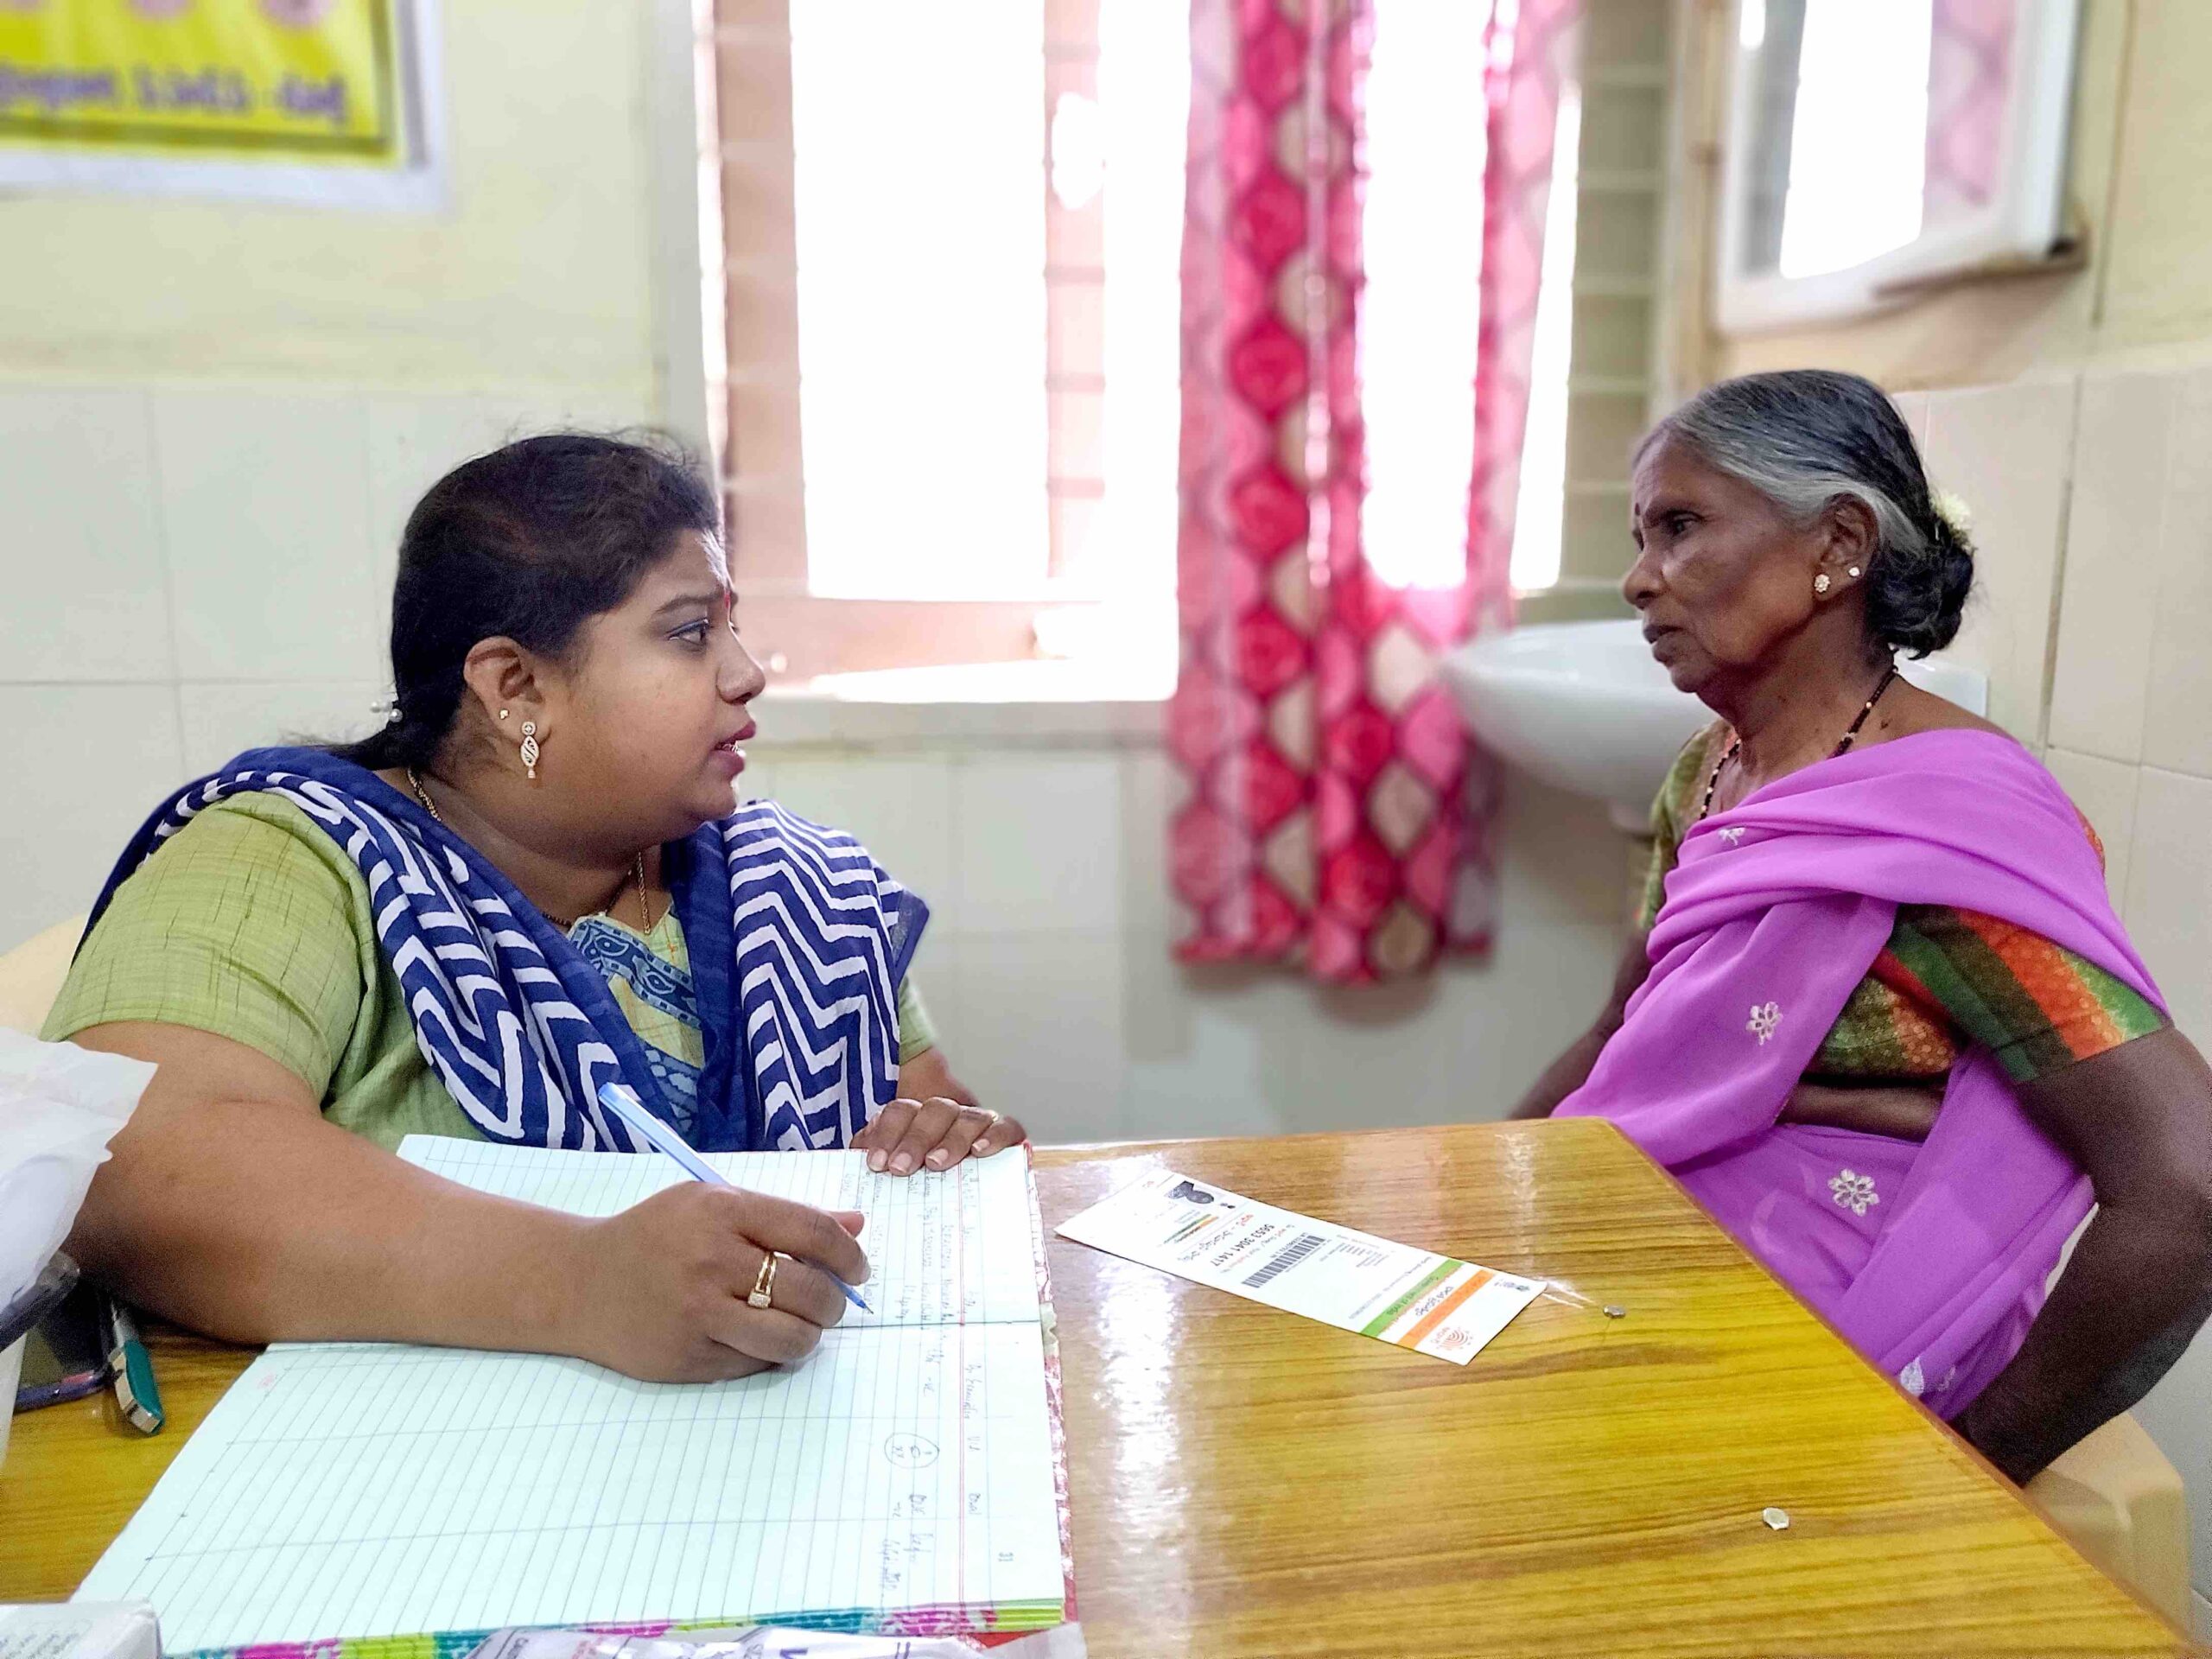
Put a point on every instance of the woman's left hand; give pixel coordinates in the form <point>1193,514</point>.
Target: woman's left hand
<point>908,1136</point>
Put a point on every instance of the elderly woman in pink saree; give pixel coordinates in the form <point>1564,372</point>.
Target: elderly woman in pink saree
<point>1884,1025</point>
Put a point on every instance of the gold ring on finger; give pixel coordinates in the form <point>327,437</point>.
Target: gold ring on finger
<point>764,1283</point>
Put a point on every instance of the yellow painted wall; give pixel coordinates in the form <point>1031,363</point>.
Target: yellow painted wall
<point>536,278</point>
<point>2142,139</point>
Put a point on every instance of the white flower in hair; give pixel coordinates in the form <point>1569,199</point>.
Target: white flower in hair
<point>1953,511</point>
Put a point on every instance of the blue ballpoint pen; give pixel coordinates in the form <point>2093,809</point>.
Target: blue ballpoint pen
<point>618,1099</point>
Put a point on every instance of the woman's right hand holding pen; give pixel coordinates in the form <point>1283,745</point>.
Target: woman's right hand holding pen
<point>660,1294</point>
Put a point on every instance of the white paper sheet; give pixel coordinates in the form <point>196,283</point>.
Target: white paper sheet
<point>343,1489</point>
<point>942,1248</point>
<point>60,1105</point>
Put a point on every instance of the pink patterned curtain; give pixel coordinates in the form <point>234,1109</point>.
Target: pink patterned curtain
<point>1337,815</point>
<point>1969,80</point>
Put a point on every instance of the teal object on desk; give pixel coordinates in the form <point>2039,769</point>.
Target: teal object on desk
<point>135,1395</point>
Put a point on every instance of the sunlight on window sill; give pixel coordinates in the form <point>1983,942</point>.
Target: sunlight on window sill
<point>1113,702</point>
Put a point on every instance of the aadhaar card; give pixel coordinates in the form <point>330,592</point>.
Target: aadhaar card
<point>1415,1299</point>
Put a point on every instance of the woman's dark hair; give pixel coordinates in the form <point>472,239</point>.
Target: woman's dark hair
<point>530,542</point>
<point>1803,438</point>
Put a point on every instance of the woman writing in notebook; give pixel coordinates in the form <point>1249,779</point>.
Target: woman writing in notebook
<point>530,883</point>
<point>1884,1025</point>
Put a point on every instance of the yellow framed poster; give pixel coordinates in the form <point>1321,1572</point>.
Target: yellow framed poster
<point>328,101</point>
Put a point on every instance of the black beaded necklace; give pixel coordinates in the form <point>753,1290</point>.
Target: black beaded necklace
<point>1850,737</point>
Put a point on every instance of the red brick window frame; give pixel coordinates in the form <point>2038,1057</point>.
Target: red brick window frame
<point>751,180</point>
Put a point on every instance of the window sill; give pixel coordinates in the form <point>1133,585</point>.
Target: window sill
<point>1032,704</point>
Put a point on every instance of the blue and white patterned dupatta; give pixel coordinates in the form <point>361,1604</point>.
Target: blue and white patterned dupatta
<point>798,942</point>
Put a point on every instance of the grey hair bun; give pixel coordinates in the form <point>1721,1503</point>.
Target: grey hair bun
<point>1805,438</point>
<point>1916,601</point>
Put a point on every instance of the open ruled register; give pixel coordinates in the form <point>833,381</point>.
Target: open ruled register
<point>906,1478</point>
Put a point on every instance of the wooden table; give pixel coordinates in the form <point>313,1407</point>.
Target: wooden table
<point>1246,1483</point>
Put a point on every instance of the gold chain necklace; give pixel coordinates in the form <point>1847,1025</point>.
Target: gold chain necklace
<point>1850,737</point>
<point>645,906</point>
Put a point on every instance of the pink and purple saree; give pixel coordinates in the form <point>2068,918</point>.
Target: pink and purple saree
<point>1930,1258</point>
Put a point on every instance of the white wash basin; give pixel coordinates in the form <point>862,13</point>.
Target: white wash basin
<point>1583,706</point>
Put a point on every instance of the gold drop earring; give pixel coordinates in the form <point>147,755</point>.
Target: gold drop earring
<point>530,749</point>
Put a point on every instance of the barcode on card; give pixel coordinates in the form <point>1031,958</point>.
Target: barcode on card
<point>1285,1260</point>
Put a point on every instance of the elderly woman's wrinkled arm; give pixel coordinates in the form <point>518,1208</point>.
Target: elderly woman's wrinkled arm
<point>2139,1119</point>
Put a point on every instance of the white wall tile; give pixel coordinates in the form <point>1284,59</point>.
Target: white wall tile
<point>87,596</point>
<point>88,765</point>
<point>413,441</point>
<point>2168,910</point>
<point>1087,1030</point>
<point>1560,860</point>
<point>1160,998</point>
<point>2105,790</point>
<point>2108,603</point>
<point>1913,405</point>
<point>1040,844</point>
<point>936,973</point>
<point>1262,1051</point>
<point>1196,1043</point>
<point>265,499</point>
<point>2006,451</point>
<point>222,719</point>
<point>1459,1046</point>
<point>1220,1051</point>
<point>900,810</point>
<point>2178,735</point>
<point>1231,1051</point>
<point>2173,1414</point>
<point>1041,1030</point>
<point>1151,791</point>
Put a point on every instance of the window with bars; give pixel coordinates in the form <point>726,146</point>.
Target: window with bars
<point>950,238</point>
<point>950,243</point>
